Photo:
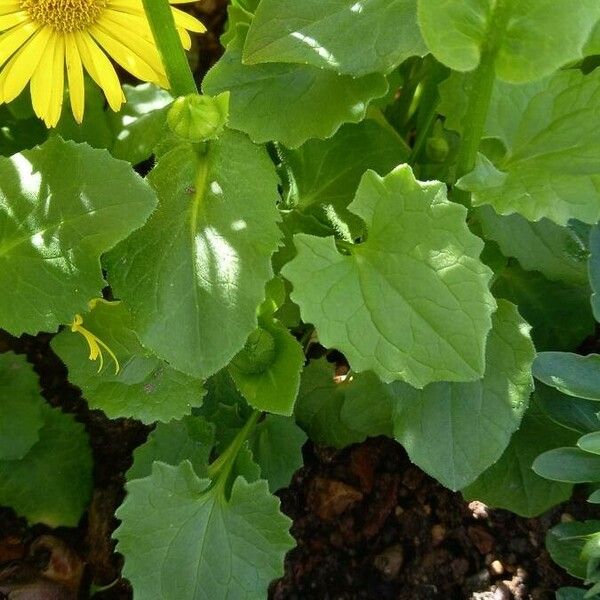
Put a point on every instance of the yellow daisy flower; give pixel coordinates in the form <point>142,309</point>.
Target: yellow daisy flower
<point>39,38</point>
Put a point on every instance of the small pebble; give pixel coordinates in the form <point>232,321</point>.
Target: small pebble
<point>390,561</point>
<point>502,592</point>
<point>496,568</point>
<point>438,534</point>
<point>566,518</point>
<point>479,510</point>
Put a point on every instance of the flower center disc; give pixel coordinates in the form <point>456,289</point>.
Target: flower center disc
<point>64,15</point>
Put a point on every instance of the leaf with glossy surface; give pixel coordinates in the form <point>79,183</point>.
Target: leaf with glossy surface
<point>20,406</point>
<point>182,539</point>
<point>590,442</point>
<point>346,36</point>
<point>594,270</point>
<point>571,465</point>
<point>62,460</point>
<point>525,34</point>
<point>419,263</point>
<point>61,206</point>
<point>550,169</point>
<point>145,387</point>
<point>573,413</point>
<point>565,542</point>
<point>511,483</point>
<point>191,438</point>
<point>454,431</point>
<point>277,447</point>
<point>570,373</point>
<point>194,276</point>
<point>284,102</point>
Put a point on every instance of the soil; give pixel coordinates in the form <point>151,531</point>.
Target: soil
<point>368,523</point>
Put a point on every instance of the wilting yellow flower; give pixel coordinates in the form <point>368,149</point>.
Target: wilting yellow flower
<point>95,344</point>
<point>41,37</point>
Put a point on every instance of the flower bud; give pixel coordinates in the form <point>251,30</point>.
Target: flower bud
<point>196,118</point>
<point>258,354</point>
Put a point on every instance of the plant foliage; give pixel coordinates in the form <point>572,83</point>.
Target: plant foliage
<point>380,218</point>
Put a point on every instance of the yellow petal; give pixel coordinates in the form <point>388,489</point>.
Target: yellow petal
<point>41,81</point>
<point>22,65</point>
<point>57,89</point>
<point>124,56</point>
<point>117,25</point>
<point>182,19</point>
<point>10,6</point>
<point>100,69</point>
<point>11,19</point>
<point>13,39</point>
<point>75,77</point>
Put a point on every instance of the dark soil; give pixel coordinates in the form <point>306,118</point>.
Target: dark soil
<point>368,523</point>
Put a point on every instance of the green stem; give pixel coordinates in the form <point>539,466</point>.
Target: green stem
<point>223,465</point>
<point>169,46</point>
<point>481,84</point>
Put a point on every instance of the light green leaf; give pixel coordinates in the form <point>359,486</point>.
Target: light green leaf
<point>183,539</point>
<point>20,406</point>
<point>61,206</point>
<point>284,102</point>
<point>329,171</point>
<point>340,413</point>
<point>571,465</point>
<point>559,312</point>
<point>145,387</point>
<point>557,252</point>
<point>419,264</point>
<point>569,373</point>
<point>550,169</point>
<point>565,542</point>
<point>508,100</point>
<point>355,38</point>
<point>139,125</point>
<point>275,389</point>
<point>277,447</point>
<point>191,438</point>
<point>511,483</point>
<point>52,483</point>
<point>593,45</point>
<point>454,431</point>
<point>194,276</point>
<point>532,39</point>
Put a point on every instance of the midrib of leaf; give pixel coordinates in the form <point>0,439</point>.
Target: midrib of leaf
<point>6,248</point>
<point>201,184</point>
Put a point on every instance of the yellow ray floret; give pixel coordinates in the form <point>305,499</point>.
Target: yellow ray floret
<point>95,344</point>
<point>41,39</point>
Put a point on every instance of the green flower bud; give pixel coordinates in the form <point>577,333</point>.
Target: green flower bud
<point>437,149</point>
<point>258,354</point>
<point>198,118</point>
